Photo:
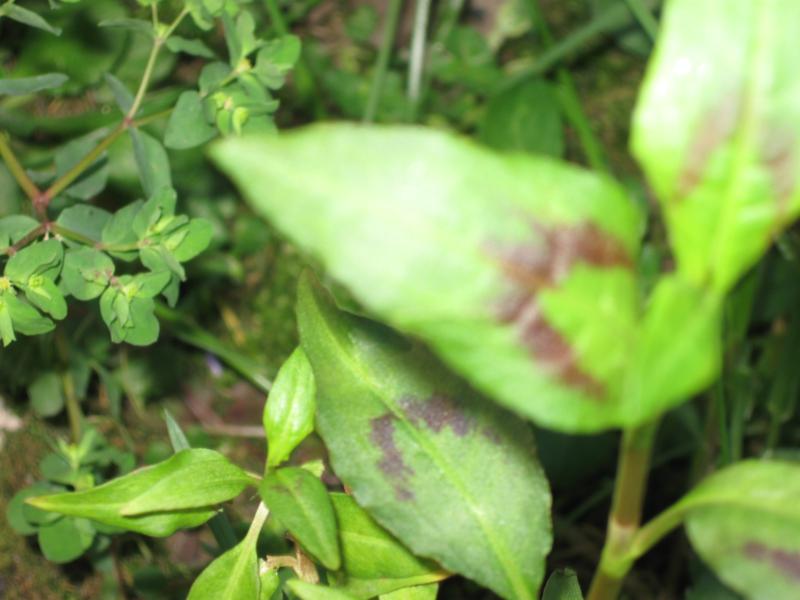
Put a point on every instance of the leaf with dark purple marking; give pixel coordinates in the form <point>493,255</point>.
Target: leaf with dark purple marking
<point>717,129</point>
<point>518,270</point>
<point>452,475</point>
<point>744,521</point>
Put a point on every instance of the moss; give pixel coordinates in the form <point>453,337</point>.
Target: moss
<point>24,572</point>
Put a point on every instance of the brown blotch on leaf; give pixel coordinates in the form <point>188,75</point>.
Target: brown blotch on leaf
<point>785,561</point>
<point>436,413</point>
<point>391,463</point>
<point>778,155</point>
<point>718,125</point>
<point>545,263</point>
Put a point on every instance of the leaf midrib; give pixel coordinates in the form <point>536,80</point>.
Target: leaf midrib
<point>514,576</point>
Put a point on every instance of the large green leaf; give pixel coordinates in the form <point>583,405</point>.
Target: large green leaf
<point>518,269</point>
<point>745,523</point>
<point>449,473</point>
<point>716,130</point>
<point>174,494</point>
<point>374,562</point>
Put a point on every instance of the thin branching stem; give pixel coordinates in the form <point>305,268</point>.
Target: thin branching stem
<point>416,64</point>
<point>16,169</point>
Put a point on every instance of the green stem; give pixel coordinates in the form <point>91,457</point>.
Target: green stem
<point>304,76</point>
<point>74,413</point>
<point>645,18</point>
<point>16,169</point>
<point>626,511</point>
<point>570,100</point>
<point>614,19</point>
<point>416,63</point>
<point>67,178</point>
<point>71,235</point>
<point>128,121</point>
<point>382,62</point>
<point>653,531</point>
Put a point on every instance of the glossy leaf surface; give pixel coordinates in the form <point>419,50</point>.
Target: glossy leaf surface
<point>187,484</point>
<point>518,269</point>
<point>300,503</point>
<point>234,574</point>
<point>562,585</point>
<point>716,130</point>
<point>374,561</point>
<point>289,412</point>
<point>453,476</point>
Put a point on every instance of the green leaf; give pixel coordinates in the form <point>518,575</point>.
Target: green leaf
<point>28,17</point>
<point>744,521</point>
<point>373,561</point>
<point>86,272</point>
<point>189,240</point>
<point>6,323</point>
<point>46,395</point>
<point>417,446</point>
<point>184,487</point>
<point>525,118</point>
<point>40,258</point>
<point>239,36</point>
<point>45,295</point>
<point>136,25</point>
<point>562,585</point>
<point>665,368</point>
<point>15,513</point>
<point>15,227</point>
<point>66,539</point>
<point>716,130</point>
<point>156,213</point>
<point>149,285</point>
<point>517,269</point>
<point>93,180</point>
<point>122,95</point>
<point>420,592</point>
<point>119,231</point>
<point>233,575</point>
<point>201,478</point>
<point>130,320</point>
<point>26,319</point>
<point>176,44</point>
<point>299,501</point>
<point>177,438</point>
<point>289,412</point>
<point>187,126</point>
<point>309,591</point>
<point>85,219</point>
<point>31,85</point>
<point>275,59</point>
<point>152,161</point>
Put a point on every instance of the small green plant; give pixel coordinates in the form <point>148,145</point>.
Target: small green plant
<point>501,289</point>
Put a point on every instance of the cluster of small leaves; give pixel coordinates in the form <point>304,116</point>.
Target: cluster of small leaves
<point>37,278</point>
<point>78,466</point>
<point>233,97</point>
